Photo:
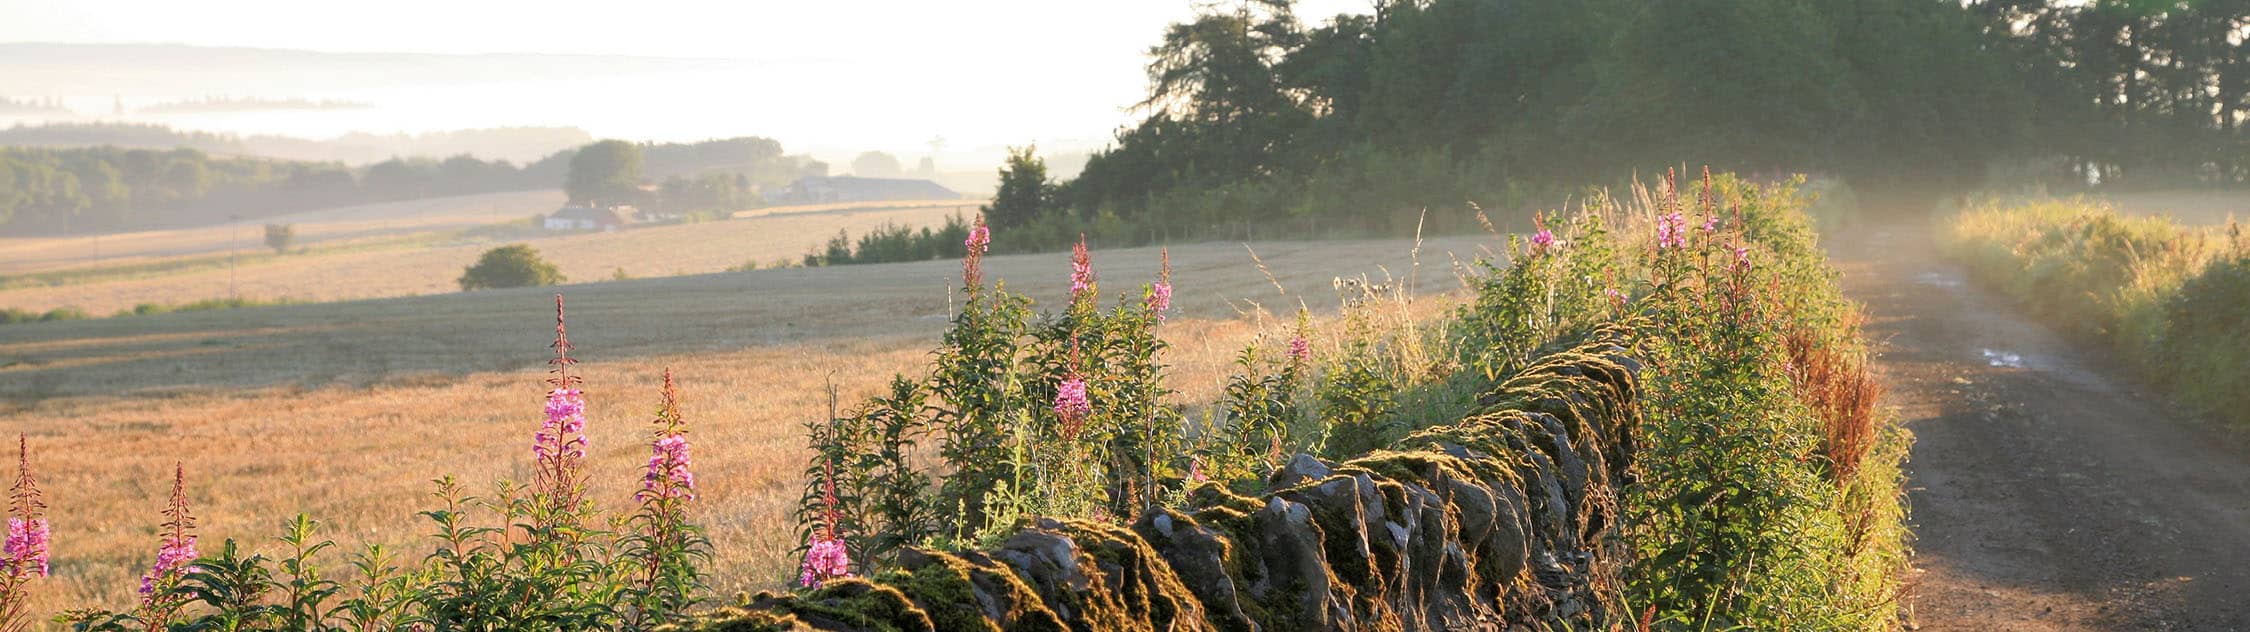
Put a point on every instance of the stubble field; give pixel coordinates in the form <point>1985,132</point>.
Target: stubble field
<point>347,411</point>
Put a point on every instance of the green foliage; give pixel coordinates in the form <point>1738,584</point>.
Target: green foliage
<point>891,243</point>
<point>11,315</point>
<point>863,484</point>
<point>59,189</point>
<point>717,193</point>
<point>1735,519</point>
<point>2167,296</point>
<point>514,265</point>
<point>606,172</point>
<point>1025,193</point>
<point>1264,418</point>
<point>1256,120</point>
<point>279,236</point>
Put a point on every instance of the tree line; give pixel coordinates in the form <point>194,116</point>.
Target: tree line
<point>1256,118</point>
<point>55,190</point>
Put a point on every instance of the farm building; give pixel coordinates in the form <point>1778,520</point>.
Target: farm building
<point>589,218</point>
<point>825,189</point>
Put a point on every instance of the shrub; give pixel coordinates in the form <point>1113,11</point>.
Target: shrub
<point>2168,297</point>
<point>279,236</point>
<point>64,313</point>
<point>515,265</point>
<point>892,243</point>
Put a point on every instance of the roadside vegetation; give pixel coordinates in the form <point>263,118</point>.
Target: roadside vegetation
<point>1764,490</point>
<point>2167,296</point>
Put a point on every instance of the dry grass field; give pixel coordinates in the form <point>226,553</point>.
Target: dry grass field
<point>346,411</point>
<point>432,268</point>
<point>321,227</point>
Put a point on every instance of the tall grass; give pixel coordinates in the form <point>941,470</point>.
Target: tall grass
<point>2170,298</point>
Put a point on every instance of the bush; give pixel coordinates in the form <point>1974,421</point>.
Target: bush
<point>2168,297</point>
<point>515,265</point>
<point>279,236</point>
<point>11,315</point>
<point>891,243</point>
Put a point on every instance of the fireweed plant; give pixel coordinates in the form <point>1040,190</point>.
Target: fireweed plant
<point>538,556</point>
<point>1058,413</point>
<point>24,558</point>
<point>1759,502</point>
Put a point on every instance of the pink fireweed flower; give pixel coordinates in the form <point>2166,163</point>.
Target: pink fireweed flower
<point>1542,241</point>
<point>668,474</point>
<point>1160,299</point>
<point>171,561</point>
<point>1742,257</point>
<point>1671,230</point>
<point>1081,271</point>
<point>980,238</point>
<point>25,552</point>
<point>1300,349</point>
<point>563,434</point>
<point>1195,470</point>
<point>178,546</point>
<point>1071,404</point>
<point>1160,294</point>
<point>1711,223</point>
<point>27,547</point>
<point>826,559</point>
<point>972,265</point>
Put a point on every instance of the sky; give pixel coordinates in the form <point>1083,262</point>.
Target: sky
<point>829,76</point>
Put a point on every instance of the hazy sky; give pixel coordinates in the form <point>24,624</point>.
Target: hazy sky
<point>979,72</point>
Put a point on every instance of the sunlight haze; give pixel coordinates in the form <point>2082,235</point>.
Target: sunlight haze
<point>907,73</point>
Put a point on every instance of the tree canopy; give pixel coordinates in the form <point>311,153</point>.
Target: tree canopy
<point>606,172</point>
<point>1254,116</point>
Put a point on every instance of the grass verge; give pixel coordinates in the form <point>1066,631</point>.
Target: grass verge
<point>2168,297</point>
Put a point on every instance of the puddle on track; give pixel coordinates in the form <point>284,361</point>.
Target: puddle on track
<point>2003,358</point>
<point>1937,279</point>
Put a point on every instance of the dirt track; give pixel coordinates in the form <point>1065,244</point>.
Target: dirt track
<point>2049,491</point>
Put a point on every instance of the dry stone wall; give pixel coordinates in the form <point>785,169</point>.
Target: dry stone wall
<point>1501,521</point>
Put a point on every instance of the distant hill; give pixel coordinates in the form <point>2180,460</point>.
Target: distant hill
<point>519,145</point>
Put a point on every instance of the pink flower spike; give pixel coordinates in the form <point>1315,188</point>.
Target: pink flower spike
<point>1071,403</point>
<point>1160,293</point>
<point>1081,271</point>
<point>26,548</point>
<point>668,475</point>
<point>980,239</point>
<point>1671,230</point>
<point>826,559</point>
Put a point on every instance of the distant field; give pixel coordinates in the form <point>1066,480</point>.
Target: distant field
<point>326,226</point>
<point>433,268</point>
<point>346,410</point>
<point>965,207</point>
<point>2193,207</point>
